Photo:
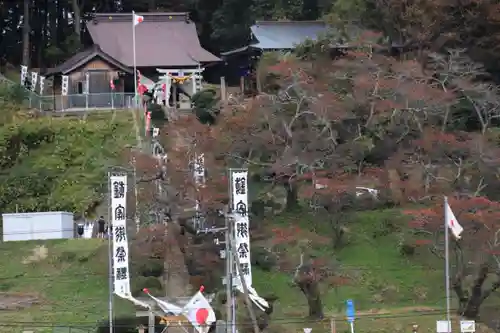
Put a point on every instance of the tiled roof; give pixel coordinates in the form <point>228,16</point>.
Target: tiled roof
<point>286,34</point>
<point>162,40</point>
<point>81,58</point>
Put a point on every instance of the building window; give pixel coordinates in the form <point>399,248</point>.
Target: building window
<point>79,87</point>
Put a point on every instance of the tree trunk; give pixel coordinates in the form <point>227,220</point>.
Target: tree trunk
<point>77,19</point>
<point>311,291</point>
<point>292,196</point>
<point>470,302</point>
<point>42,41</point>
<point>305,279</point>
<point>26,33</point>
<point>61,25</point>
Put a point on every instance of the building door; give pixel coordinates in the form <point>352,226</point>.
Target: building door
<point>99,89</point>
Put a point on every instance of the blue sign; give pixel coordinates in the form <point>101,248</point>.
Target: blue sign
<point>350,312</point>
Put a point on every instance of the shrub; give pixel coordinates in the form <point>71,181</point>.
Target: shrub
<point>138,283</point>
<point>58,164</point>
<point>258,208</point>
<point>13,93</point>
<point>263,258</point>
<point>205,106</point>
<point>151,268</point>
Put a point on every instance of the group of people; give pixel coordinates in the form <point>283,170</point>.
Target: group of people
<point>86,230</point>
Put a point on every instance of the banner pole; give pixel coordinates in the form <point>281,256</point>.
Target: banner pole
<point>110,257</point>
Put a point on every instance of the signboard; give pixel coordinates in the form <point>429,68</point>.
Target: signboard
<point>241,228</point>
<point>350,312</point>
<point>443,326</point>
<point>307,330</point>
<point>121,277</point>
<point>467,326</point>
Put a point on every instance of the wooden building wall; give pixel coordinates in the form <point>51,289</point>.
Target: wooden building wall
<point>101,73</point>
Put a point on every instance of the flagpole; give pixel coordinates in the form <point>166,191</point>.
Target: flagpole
<point>447,263</point>
<point>135,66</point>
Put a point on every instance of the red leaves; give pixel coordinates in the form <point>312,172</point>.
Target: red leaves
<point>479,216</point>
<point>420,242</point>
<point>433,139</point>
<point>285,235</point>
<point>292,234</point>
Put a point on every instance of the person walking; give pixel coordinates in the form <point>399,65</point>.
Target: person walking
<point>100,227</point>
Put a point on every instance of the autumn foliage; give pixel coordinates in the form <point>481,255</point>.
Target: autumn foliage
<point>479,216</point>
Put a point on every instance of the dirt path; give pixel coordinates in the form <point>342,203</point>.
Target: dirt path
<point>176,276</point>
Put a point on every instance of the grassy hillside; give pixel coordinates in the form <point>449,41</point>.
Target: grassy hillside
<point>63,281</point>
<point>391,291</point>
<point>60,163</point>
<point>57,164</point>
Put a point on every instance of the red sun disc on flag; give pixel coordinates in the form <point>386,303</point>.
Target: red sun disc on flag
<point>201,316</point>
<point>451,223</point>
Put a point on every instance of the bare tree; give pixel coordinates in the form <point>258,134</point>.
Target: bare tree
<point>456,72</point>
<point>477,265</point>
<point>307,279</point>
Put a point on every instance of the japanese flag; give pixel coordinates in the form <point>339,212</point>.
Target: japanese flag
<point>138,19</point>
<point>166,307</point>
<point>199,312</point>
<point>452,222</point>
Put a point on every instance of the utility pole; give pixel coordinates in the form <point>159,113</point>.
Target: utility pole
<point>136,216</point>
<point>230,304</point>
<point>235,263</point>
<point>226,254</point>
<point>110,256</point>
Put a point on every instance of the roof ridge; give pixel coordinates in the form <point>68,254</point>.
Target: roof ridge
<point>148,17</point>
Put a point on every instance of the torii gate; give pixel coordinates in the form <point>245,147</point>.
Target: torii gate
<point>191,75</point>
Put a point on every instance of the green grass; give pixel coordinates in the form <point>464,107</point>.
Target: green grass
<point>70,284</point>
<point>373,271</point>
<point>60,164</point>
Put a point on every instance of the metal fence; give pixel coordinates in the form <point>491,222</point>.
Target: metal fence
<point>82,102</point>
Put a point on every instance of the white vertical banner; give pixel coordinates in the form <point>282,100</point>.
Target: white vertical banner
<point>86,89</point>
<point>64,85</point>
<point>42,84</point>
<point>241,228</point>
<point>199,169</point>
<point>120,255</point>
<point>24,75</point>
<point>199,179</point>
<point>34,79</point>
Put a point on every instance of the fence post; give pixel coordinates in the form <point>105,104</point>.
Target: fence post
<point>86,101</point>
<point>112,101</point>
<point>223,93</point>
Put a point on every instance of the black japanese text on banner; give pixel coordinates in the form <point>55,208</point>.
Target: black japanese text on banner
<point>241,226</point>
<point>120,240</point>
